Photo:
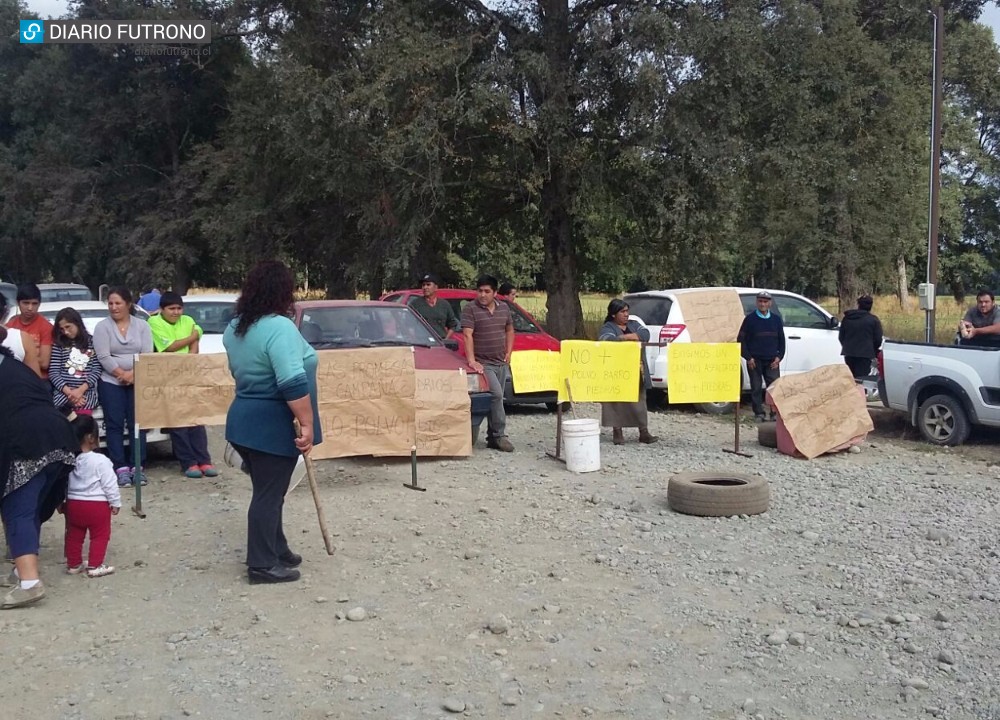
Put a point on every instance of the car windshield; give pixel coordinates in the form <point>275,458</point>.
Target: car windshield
<point>65,294</point>
<point>361,326</point>
<point>521,322</point>
<point>211,316</point>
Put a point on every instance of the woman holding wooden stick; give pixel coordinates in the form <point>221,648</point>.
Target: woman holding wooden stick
<point>275,373</point>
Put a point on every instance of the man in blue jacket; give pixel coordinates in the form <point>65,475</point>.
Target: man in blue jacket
<point>762,344</point>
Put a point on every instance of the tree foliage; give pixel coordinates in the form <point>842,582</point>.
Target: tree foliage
<point>565,146</point>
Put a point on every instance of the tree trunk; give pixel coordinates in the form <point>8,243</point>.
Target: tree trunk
<point>902,285</point>
<point>847,281</point>
<point>182,277</point>
<point>376,282</point>
<point>564,314</point>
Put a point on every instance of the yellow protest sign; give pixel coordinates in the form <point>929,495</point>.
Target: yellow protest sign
<point>704,372</point>
<point>535,370</point>
<point>600,371</point>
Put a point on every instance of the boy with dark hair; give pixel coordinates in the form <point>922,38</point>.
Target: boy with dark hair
<point>33,325</point>
<point>173,331</point>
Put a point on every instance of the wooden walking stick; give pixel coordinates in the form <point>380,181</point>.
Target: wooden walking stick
<point>311,476</point>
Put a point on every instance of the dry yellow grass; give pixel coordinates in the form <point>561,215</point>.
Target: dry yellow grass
<point>909,323</point>
<point>898,323</point>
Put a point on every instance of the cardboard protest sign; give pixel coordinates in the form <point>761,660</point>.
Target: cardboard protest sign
<point>704,372</point>
<point>712,316</point>
<point>821,409</point>
<point>600,371</point>
<point>535,370</point>
<point>443,413</point>
<point>179,390</point>
<point>366,402</point>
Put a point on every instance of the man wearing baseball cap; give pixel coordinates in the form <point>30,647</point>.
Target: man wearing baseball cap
<point>437,312</point>
<point>762,344</point>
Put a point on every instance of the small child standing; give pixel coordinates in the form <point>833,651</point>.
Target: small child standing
<point>91,499</point>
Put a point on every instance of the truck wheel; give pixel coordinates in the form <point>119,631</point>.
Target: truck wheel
<point>716,408</point>
<point>715,495</point>
<point>942,421</point>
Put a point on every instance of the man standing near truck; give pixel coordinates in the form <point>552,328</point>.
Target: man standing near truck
<point>860,337</point>
<point>981,324</point>
<point>762,344</point>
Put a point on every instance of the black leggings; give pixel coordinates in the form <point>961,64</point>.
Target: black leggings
<point>270,475</point>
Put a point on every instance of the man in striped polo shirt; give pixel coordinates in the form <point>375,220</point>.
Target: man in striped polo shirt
<point>489,341</point>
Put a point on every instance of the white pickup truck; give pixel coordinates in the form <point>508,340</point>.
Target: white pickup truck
<point>945,389</point>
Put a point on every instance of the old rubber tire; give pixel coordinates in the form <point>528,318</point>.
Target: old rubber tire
<point>767,434</point>
<point>716,408</point>
<point>942,421</point>
<point>718,495</point>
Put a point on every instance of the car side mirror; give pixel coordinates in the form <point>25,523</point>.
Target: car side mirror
<point>834,323</point>
<point>451,344</point>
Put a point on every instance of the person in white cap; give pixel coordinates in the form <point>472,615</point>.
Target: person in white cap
<point>762,344</point>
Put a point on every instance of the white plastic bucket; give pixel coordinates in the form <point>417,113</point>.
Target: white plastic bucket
<point>582,445</point>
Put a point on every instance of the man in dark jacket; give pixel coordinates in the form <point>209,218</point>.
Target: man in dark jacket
<point>762,341</point>
<point>860,337</point>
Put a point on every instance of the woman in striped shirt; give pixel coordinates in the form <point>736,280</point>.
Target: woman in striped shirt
<point>74,369</point>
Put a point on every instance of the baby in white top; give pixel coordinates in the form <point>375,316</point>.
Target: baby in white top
<point>91,499</point>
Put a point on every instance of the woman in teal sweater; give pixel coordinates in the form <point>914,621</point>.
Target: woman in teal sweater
<point>275,373</point>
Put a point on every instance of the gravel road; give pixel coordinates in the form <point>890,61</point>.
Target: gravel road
<point>515,589</point>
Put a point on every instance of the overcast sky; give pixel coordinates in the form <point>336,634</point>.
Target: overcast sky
<point>55,8</point>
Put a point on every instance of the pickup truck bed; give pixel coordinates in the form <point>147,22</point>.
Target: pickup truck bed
<point>945,389</point>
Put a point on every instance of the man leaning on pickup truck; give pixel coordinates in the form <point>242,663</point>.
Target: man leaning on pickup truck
<point>981,324</point>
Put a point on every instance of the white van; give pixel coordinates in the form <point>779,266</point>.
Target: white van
<point>811,333</point>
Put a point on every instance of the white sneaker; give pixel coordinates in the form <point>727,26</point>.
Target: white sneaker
<point>100,571</point>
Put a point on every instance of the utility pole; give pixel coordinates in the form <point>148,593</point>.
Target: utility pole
<point>935,199</point>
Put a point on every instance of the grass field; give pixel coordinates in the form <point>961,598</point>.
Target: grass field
<point>897,323</point>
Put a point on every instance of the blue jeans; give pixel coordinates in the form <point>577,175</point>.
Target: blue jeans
<point>118,404</point>
<point>22,510</point>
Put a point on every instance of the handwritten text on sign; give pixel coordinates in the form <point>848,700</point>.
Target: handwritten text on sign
<point>704,372</point>
<point>535,370</point>
<point>174,390</point>
<point>366,402</point>
<point>821,409</point>
<point>600,371</point>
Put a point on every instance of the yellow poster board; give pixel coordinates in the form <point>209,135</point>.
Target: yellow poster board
<point>704,372</point>
<point>600,371</point>
<point>535,370</point>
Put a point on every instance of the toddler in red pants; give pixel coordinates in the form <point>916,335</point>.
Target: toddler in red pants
<point>91,499</point>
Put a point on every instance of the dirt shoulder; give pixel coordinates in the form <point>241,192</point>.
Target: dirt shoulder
<point>513,588</point>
